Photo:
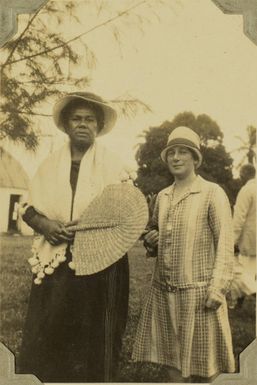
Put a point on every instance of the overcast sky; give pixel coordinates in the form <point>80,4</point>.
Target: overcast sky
<point>195,59</point>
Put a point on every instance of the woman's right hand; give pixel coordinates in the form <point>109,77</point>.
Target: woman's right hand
<point>152,238</point>
<point>55,232</point>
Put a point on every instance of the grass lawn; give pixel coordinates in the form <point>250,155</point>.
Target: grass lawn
<point>15,286</point>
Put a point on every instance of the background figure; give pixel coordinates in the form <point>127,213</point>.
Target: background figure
<point>184,321</point>
<point>244,221</point>
<point>74,323</point>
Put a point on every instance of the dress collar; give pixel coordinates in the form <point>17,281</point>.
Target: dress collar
<point>195,187</point>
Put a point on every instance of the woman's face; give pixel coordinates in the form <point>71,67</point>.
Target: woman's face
<point>180,161</point>
<point>81,126</point>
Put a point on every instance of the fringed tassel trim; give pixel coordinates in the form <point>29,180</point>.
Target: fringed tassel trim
<point>40,268</point>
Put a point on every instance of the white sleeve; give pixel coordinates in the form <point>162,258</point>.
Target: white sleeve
<point>241,209</point>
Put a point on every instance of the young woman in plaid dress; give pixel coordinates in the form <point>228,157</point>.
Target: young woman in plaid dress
<point>184,322</point>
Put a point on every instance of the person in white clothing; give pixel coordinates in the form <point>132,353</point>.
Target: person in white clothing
<point>244,223</point>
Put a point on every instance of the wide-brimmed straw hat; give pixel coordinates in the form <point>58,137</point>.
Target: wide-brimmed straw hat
<point>109,112</point>
<point>183,136</point>
<point>108,228</point>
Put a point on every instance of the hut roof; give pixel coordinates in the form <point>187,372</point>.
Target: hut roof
<point>12,174</point>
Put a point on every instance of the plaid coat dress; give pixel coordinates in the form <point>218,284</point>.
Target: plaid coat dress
<point>195,256</point>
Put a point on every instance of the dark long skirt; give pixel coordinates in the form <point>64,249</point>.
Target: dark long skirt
<point>74,325</point>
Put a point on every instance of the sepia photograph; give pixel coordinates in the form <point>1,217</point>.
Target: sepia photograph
<point>128,191</point>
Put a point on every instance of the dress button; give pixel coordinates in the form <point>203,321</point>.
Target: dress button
<point>171,288</point>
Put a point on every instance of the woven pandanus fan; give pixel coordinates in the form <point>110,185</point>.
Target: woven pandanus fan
<point>108,228</point>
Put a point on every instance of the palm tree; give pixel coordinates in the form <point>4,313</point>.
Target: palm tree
<point>248,146</point>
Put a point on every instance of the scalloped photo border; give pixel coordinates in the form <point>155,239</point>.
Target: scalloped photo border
<point>9,11</point>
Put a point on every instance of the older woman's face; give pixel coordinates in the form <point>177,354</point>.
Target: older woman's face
<point>81,126</point>
<point>180,161</point>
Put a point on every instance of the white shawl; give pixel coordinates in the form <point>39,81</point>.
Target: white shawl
<point>50,193</point>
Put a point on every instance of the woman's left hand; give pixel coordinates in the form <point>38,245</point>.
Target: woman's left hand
<point>212,302</point>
